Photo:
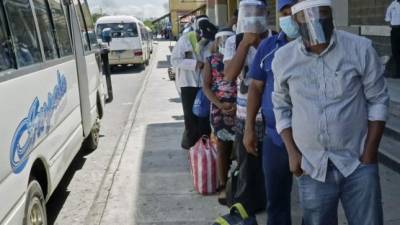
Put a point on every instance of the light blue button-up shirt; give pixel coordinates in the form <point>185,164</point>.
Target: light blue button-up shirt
<point>328,100</point>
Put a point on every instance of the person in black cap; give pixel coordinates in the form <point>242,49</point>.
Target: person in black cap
<point>188,57</point>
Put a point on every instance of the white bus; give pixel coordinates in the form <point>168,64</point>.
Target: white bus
<point>52,96</point>
<point>130,40</point>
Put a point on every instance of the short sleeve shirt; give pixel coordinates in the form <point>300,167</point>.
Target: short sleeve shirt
<point>261,70</point>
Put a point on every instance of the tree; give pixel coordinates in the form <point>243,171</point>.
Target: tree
<point>97,15</point>
<point>149,24</point>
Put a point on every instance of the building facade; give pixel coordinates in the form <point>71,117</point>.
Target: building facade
<point>180,8</point>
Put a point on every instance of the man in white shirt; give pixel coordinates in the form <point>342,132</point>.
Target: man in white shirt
<point>188,58</point>
<point>393,17</point>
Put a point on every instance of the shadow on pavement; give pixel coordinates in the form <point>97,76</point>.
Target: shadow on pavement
<point>166,191</point>
<point>163,64</point>
<point>60,195</point>
<point>175,100</point>
<point>122,70</point>
<point>181,117</point>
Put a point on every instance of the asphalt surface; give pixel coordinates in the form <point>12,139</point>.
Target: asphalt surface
<point>73,199</point>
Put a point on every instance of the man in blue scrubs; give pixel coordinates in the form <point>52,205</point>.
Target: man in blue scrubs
<point>278,178</point>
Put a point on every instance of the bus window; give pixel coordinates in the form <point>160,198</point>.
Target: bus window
<point>119,30</point>
<point>6,54</point>
<point>85,38</point>
<point>61,27</point>
<point>89,25</point>
<point>23,31</point>
<point>46,29</point>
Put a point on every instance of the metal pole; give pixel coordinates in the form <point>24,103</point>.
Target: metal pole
<point>107,73</point>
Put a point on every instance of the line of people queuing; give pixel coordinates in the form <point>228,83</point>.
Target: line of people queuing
<point>310,102</point>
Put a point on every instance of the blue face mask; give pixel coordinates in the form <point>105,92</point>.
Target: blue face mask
<point>289,27</point>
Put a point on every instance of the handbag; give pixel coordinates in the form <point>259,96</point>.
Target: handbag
<point>201,106</point>
<point>237,216</point>
<point>203,164</point>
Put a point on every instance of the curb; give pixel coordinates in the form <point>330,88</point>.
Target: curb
<point>96,211</point>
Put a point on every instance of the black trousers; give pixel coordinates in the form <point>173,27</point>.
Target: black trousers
<point>250,189</point>
<point>195,127</point>
<point>395,39</point>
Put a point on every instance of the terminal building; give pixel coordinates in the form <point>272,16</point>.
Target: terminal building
<point>362,17</point>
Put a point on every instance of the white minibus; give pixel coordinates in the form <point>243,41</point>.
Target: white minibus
<point>129,39</point>
<point>53,98</point>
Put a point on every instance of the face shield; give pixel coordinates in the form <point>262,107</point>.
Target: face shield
<point>315,21</point>
<point>252,17</point>
<point>221,38</point>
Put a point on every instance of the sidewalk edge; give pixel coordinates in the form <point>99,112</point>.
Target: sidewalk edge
<point>97,209</point>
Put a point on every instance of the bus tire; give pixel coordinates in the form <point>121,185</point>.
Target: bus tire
<point>35,206</point>
<point>92,141</point>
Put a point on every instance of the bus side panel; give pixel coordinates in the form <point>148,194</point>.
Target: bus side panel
<point>36,105</point>
<point>60,162</point>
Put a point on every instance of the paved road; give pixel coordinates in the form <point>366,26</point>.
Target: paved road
<point>73,199</point>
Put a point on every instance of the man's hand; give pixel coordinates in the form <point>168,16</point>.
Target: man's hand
<point>375,132</point>
<point>368,158</point>
<point>295,163</point>
<point>251,39</point>
<point>365,159</point>
<point>250,141</point>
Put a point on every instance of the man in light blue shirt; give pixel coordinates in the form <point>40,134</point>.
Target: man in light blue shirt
<point>330,102</point>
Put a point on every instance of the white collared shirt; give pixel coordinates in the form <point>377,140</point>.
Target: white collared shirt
<point>393,13</point>
<point>186,73</point>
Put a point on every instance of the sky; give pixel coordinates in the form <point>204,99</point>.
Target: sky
<point>137,8</point>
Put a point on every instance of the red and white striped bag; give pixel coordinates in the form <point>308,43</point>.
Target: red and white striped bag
<point>203,162</point>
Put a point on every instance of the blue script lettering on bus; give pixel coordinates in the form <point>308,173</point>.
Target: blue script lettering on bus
<point>35,125</point>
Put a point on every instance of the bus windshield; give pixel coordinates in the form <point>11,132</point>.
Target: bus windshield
<point>119,30</point>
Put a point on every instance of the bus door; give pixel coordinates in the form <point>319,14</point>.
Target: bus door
<point>78,38</point>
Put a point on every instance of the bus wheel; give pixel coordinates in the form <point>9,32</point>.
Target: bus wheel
<point>92,141</point>
<point>35,210</point>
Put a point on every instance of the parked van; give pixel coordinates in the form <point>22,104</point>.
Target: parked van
<point>130,40</point>
<point>52,100</point>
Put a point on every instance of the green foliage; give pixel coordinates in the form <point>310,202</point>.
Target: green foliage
<point>97,15</point>
<point>149,24</point>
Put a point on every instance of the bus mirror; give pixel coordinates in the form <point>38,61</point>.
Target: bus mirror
<point>106,35</point>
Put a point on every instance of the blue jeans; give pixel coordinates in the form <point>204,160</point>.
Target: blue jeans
<point>359,193</point>
<point>278,182</point>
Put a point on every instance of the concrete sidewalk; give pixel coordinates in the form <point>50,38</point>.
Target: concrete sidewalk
<point>153,184</point>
